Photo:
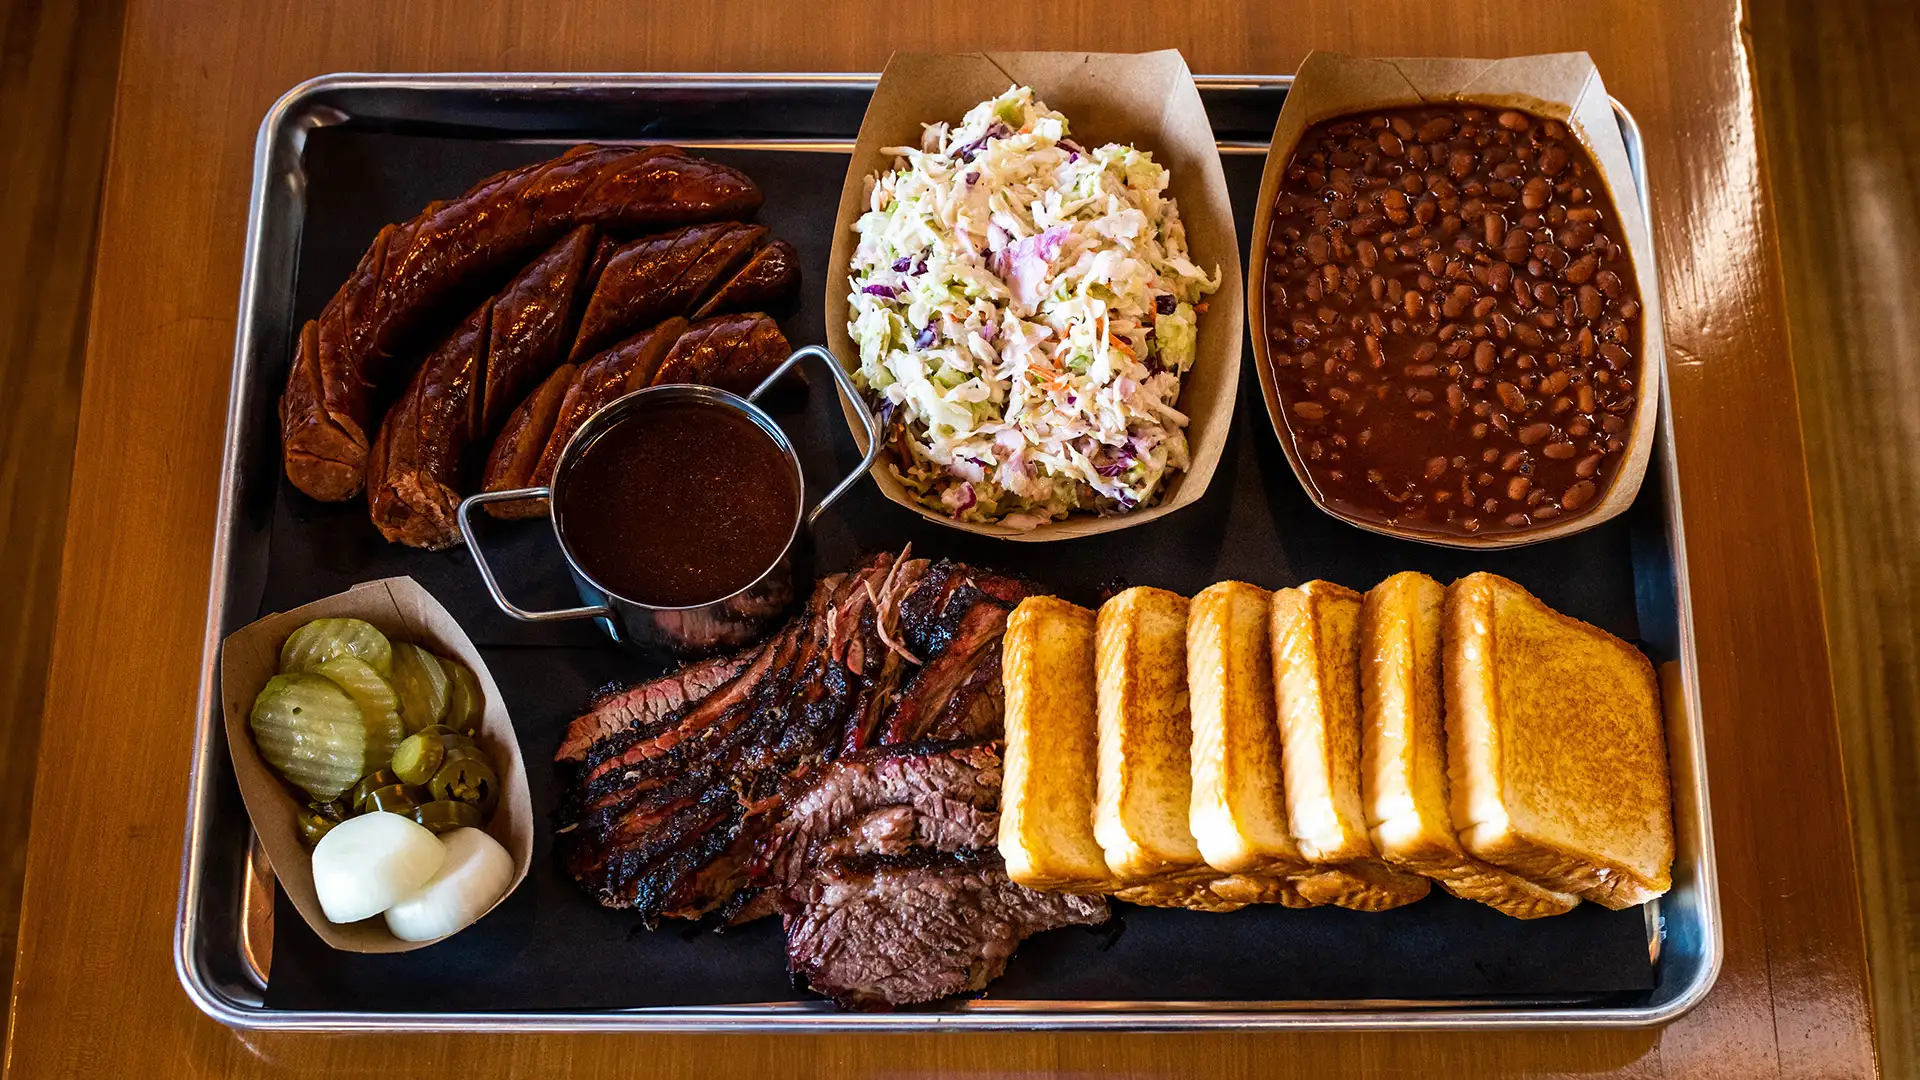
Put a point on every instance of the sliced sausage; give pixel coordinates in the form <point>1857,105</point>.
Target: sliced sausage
<point>704,347</point>
<point>656,277</point>
<point>764,349</point>
<point>532,318</point>
<point>716,266</point>
<point>769,280</point>
<point>415,464</point>
<point>411,270</point>
<point>516,452</point>
<point>626,367</point>
<point>602,254</point>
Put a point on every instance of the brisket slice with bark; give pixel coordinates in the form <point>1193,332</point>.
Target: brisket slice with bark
<point>645,706</point>
<point>662,812</point>
<point>953,621</point>
<point>889,883</point>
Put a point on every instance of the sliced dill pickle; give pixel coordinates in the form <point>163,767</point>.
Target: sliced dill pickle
<point>314,824</point>
<point>378,703</point>
<point>423,686</point>
<point>312,732</point>
<point>402,799</point>
<point>323,639</point>
<point>461,748</point>
<point>465,705</point>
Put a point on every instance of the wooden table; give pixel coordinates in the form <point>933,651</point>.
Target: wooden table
<point>95,991</point>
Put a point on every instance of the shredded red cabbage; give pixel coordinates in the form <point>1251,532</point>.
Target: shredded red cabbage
<point>972,150</point>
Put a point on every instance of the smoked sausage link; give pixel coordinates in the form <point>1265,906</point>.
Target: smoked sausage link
<point>412,269</point>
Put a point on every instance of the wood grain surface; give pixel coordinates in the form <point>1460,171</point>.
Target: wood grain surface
<point>56,102</point>
<point>94,993</point>
<point>1843,142</point>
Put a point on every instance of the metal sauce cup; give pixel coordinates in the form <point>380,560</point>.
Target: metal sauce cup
<point>699,629</point>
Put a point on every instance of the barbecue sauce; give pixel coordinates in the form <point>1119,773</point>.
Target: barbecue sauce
<point>679,504</point>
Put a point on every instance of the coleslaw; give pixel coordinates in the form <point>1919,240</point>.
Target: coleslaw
<point>1025,308</point>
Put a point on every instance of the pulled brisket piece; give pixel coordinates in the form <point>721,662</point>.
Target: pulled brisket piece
<point>954,620</point>
<point>840,773</point>
<point>890,886</point>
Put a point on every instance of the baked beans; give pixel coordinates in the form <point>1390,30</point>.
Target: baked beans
<point>1451,319</point>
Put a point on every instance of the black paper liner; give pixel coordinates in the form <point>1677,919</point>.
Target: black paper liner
<point>549,947</point>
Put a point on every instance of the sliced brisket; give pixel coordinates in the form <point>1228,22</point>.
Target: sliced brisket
<point>647,705</point>
<point>885,800</point>
<point>953,620</point>
<point>664,811</point>
<point>879,935</point>
<point>890,886</point>
<point>842,773</point>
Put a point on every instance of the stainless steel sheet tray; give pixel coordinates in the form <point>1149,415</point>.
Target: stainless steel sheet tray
<point>1628,575</point>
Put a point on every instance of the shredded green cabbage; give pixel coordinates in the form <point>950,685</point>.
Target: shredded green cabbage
<point>1025,308</point>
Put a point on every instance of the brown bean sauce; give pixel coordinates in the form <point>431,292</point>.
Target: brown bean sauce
<point>678,504</point>
<point>1451,319</point>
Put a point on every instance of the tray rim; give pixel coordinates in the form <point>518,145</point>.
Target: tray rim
<point>1348,1015</point>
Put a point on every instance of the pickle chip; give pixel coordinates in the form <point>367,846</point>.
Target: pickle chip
<point>402,799</point>
<point>324,639</point>
<point>445,815</point>
<point>369,784</point>
<point>465,705</point>
<point>314,824</point>
<point>468,780</point>
<point>419,755</point>
<point>312,732</point>
<point>379,705</point>
<point>422,683</point>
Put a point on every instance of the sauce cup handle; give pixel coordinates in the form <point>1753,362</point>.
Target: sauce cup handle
<point>848,392</point>
<point>465,515</point>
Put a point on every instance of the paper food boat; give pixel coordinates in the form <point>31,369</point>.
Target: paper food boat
<point>1561,86</point>
<point>1148,100</point>
<point>403,611</point>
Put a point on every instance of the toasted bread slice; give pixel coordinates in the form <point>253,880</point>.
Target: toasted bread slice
<point>1046,799</point>
<point>1146,778</point>
<point>1237,815</point>
<point>1403,752</point>
<point>1556,750</point>
<point>1316,661</point>
<point>1146,734</point>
